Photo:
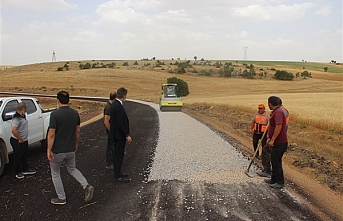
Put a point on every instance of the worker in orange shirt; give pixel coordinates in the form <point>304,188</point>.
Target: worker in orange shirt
<point>259,125</point>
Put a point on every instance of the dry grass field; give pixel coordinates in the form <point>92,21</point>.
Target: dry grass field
<point>315,104</point>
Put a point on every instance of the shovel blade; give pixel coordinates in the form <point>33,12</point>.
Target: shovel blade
<point>247,172</point>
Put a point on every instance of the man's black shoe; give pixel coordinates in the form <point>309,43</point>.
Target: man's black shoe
<point>122,180</point>
<point>124,175</point>
<point>269,181</point>
<point>277,185</point>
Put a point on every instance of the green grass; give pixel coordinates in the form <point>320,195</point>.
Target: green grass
<point>310,66</point>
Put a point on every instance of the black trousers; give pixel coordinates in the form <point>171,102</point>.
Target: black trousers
<point>255,138</point>
<point>266,155</point>
<point>20,151</point>
<point>277,152</point>
<point>109,150</point>
<point>119,150</point>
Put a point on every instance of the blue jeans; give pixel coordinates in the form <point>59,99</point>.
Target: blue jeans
<point>55,166</point>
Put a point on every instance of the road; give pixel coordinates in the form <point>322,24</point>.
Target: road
<point>142,199</point>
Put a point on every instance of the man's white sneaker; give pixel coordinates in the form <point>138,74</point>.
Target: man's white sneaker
<point>89,193</point>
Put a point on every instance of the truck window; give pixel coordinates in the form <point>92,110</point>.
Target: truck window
<point>31,107</point>
<point>10,107</point>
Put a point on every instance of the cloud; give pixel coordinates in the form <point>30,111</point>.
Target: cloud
<point>77,18</point>
<point>283,13</point>
<point>120,12</point>
<point>324,11</point>
<point>39,5</point>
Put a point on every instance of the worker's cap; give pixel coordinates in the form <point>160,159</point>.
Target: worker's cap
<point>261,106</point>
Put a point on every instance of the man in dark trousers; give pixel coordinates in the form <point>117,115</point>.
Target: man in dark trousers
<point>120,132</point>
<point>278,143</point>
<point>19,142</point>
<point>110,142</point>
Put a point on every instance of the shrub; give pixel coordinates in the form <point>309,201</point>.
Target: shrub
<point>112,65</point>
<point>283,75</point>
<point>85,66</point>
<point>125,63</point>
<point>182,86</point>
<point>226,71</point>
<point>180,70</point>
<point>306,74</point>
<point>194,71</point>
<point>218,64</point>
<point>206,72</point>
<point>136,63</point>
<point>248,74</point>
<point>184,64</point>
<point>60,69</point>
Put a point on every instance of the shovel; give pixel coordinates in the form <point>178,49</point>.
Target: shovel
<point>255,153</point>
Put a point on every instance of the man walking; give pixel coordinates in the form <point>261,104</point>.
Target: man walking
<point>120,132</point>
<point>63,138</point>
<point>19,142</point>
<point>278,142</point>
<point>110,142</point>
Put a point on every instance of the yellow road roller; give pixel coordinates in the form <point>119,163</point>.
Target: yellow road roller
<point>169,100</point>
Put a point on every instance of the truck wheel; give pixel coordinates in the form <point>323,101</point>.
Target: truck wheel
<point>2,162</point>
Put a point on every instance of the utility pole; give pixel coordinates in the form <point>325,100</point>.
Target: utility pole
<point>53,56</point>
<point>245,57</point>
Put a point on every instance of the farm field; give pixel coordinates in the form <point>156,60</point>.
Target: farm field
<point>226,103</point>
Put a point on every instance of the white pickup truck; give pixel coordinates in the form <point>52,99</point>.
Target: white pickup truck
<point>38,122</point>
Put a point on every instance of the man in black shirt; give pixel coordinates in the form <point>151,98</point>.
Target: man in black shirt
<point>63,137</point>
<point>110,141</point>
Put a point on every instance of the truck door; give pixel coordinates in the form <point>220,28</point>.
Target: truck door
<point>9,108</point>
<point>35,120</point>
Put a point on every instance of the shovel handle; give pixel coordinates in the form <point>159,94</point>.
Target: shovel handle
<point>259,144</point>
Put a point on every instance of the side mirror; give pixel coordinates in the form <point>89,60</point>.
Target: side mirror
<point>8,116</point>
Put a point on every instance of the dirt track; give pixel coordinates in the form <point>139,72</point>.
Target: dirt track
<point>158,200</point>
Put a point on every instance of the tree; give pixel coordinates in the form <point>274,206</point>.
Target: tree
<point>226,71</point>
<point>283,75</point>
<point>182,86</point>
<point>195,58</point>
<point>249,74</point>
<point>326,69</point>
<point>304,74</point>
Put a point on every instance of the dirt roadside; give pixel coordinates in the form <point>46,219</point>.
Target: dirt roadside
<point>320,199</point>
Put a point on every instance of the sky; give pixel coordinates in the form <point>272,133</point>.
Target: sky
<point>267,30</point>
